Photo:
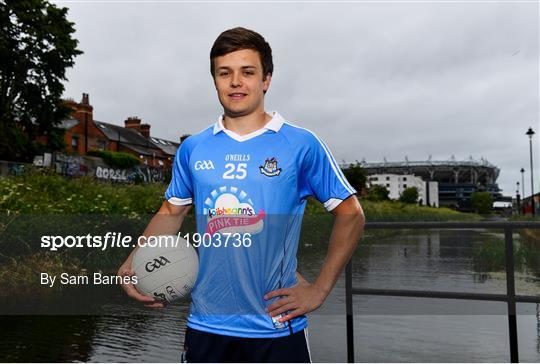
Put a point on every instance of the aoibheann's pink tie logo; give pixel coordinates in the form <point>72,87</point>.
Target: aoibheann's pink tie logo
<point>230,210</point>
<point>234,223</point>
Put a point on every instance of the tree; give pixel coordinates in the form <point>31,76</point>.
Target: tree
<point>378,193</point>
<point>409,195</point>
<point>356,176</point>
<point>482,202</point>
<point>36,48</point>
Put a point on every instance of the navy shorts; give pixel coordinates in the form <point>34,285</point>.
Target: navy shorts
<point>204,347</point>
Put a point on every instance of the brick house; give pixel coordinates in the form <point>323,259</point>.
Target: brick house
<point>84,134</point>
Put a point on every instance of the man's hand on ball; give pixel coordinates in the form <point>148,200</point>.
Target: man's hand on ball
<point>298,300</point>
<point>131,291</point>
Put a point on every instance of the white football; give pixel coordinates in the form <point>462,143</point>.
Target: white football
<point>166,271</point>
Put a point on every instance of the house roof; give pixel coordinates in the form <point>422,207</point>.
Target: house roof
<point>127,137</point>
<point>166,146</point>
<point>130,138</point>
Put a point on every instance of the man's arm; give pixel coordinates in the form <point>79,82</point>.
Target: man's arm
<point>306,297</point>
<point>167,221</point>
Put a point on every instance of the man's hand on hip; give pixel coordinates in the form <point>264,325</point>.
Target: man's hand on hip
<point>298,300</point>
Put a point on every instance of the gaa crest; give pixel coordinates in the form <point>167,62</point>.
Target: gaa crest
<point>270,168</point>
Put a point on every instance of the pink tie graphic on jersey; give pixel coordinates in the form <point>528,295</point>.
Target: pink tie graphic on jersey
<point>219,223</point>
<point>230,210</point>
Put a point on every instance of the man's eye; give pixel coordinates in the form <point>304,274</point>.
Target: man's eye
<point>248,72</point>
<point>223,73</point>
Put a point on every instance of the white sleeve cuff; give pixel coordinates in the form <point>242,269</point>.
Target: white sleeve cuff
<point>332,203</point>
<point>180,201</point>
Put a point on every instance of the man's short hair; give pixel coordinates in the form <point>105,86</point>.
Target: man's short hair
<point>239,38</point>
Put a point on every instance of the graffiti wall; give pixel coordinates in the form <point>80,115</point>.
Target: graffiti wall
<point>72,165</point>
<point>135,174</point>
<point>76,165</point>
<point>13,168</point>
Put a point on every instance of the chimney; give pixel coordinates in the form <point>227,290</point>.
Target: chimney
<point>85,115</point>
<point>83,111</point>
<point>145,130</point>
<point>85,99</point>
<point>133,122</point>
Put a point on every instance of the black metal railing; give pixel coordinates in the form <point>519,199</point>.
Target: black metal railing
<point>510,297</point>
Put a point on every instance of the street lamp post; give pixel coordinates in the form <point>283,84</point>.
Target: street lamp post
<point>522,182</point>
<point>518,199</point>
<point>530,134</point>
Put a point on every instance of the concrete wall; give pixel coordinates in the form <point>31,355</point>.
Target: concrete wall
<point>397,183</point>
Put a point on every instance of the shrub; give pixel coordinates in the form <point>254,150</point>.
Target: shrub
<point>409,195</point>
<point>116,159</point>
<point>378,193</point>
<point>482,202</point>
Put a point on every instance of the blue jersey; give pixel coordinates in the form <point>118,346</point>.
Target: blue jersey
<point>249,193</point>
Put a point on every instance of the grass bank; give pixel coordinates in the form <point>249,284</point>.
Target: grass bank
<point>398,211</point>
<point>43,193</point>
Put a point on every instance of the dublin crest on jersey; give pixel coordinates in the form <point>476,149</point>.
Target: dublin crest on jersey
<point>270,168</point>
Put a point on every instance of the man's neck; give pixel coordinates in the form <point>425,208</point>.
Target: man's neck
<point>243,125</point>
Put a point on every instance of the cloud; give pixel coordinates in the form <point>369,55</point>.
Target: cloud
<point>372,79</point>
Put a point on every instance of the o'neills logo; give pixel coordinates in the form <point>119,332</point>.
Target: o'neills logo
<point>230,210</point>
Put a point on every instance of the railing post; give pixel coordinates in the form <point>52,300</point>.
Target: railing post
<point>511,294</point>
<point>349,311</point>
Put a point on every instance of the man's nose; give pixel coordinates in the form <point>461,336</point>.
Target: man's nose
<point>236,80</point>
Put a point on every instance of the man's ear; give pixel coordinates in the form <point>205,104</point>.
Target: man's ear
<point>266,82</point>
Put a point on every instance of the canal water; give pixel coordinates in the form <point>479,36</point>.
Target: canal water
<point>386,329</point>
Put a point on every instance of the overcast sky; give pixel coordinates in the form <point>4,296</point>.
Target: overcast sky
<point>372,79</point>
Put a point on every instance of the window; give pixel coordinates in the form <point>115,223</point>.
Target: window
<point>388,178</point>
<point>404,178</point>
<point>388,185</point>
<point>75,142</point>
<point>404,185</point>
<point>102,144</point>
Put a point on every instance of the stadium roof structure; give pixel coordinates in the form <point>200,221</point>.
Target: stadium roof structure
<point>445,171</point>
<point>450,162</point>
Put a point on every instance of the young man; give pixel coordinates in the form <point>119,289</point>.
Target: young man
<point>250,174</point>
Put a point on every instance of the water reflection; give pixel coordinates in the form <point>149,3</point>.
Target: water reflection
<point>46,338</point>
<point>158,336</point>
<point>387,329</point>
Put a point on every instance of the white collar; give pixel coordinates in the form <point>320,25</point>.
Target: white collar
<point>274,124</point>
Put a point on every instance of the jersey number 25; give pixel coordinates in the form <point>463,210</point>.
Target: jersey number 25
<point>237,171</point>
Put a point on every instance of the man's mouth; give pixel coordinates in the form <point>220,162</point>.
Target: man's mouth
<point>237,95</point>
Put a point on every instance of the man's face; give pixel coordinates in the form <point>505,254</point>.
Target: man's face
<point>239,82</point>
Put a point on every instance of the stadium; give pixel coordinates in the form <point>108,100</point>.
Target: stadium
<point>457,180</point>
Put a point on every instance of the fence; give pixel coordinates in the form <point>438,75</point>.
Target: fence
<point>510,297</point>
